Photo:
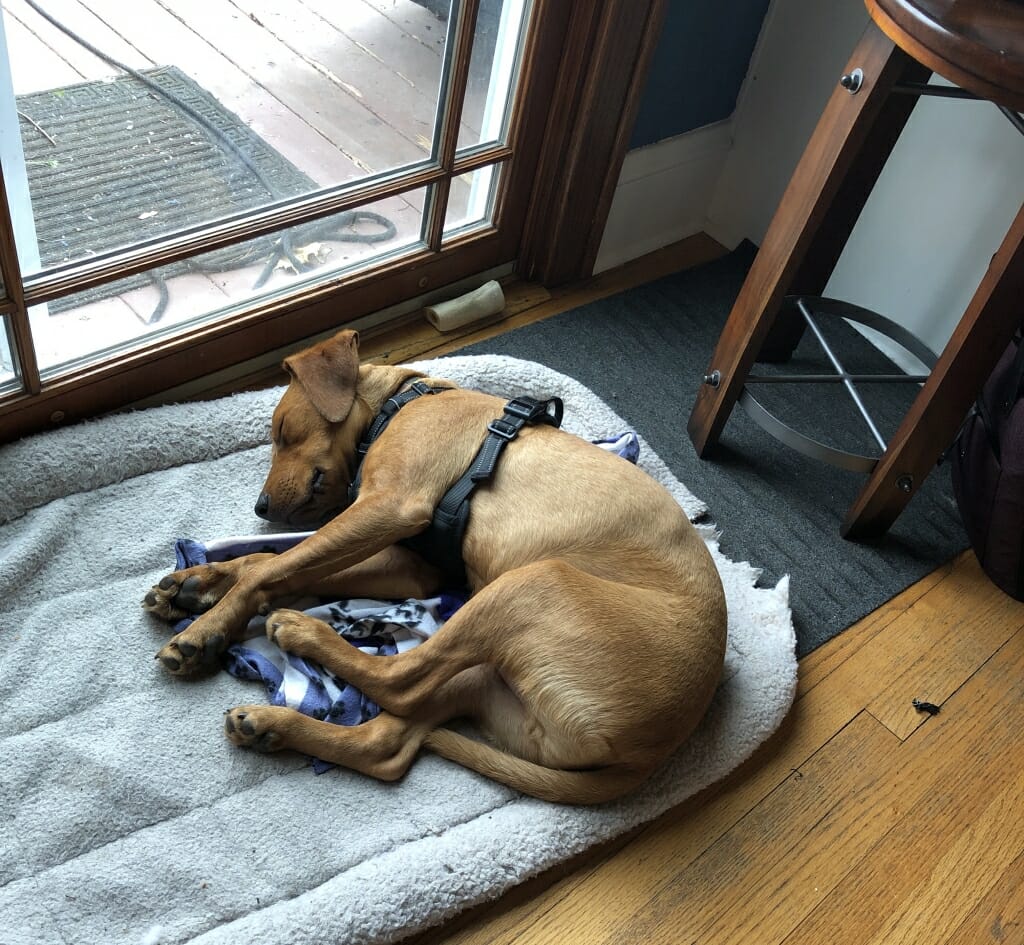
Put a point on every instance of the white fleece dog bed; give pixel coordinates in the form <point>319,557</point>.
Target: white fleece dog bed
<point>127,816</point>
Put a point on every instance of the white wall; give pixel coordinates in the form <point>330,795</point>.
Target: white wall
<point>662,194</point>
<point>940,208</point>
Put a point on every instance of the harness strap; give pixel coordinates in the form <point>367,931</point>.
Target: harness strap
<point>441,543</point>
<point>391,406</point>
<point>500,432</point>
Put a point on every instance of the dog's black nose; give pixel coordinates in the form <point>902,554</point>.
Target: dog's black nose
<point>263,505</point>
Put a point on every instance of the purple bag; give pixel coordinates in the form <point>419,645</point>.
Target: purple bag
<point>988,473</point>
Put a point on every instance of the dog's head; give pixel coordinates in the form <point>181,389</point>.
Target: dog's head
<point>315,431</point>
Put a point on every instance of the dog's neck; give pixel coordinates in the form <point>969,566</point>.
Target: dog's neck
<point>375,385</point>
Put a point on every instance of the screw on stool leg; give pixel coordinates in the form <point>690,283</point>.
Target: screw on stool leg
<point>905,483</point>
<point>713,379</point>
<point>852,81</point>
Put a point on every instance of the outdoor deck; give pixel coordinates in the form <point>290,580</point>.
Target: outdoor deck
<point>339,88</point>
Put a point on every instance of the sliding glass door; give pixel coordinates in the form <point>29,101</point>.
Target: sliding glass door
<point>177,167</point>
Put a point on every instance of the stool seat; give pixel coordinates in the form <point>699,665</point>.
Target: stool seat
<point>976,44</point>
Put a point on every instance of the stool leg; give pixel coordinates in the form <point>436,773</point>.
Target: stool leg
<point>828,190</point>
<point>982,335</point>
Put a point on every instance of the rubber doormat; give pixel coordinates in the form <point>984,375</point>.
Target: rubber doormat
<point>114,162</point>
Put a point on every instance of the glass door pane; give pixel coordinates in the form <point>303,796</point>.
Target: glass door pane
<point>140,118</point>
<point>138,123</point>
<point>221,283</point>
<point>471,200</point>
<point>8,366</point>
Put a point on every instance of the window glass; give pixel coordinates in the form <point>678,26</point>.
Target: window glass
<point>492,71</point>
<point>219,283</point>
<point>471,199</point>
<point>139,119</point>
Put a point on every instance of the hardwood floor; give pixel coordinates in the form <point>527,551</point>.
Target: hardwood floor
<point>862,820</point>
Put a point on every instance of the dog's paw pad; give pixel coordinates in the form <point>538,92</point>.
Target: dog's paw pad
<point>192,591</point>
<point>250,727</point>
<point>160,600</point>
<point>183,657</point>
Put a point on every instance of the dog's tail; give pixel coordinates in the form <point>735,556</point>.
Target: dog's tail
<point>593,786</point>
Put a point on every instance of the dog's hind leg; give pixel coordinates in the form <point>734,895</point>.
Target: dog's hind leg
<point>407,684</point>
<point>552,648</point>
<point>479,634</point>
<point>383,748</point>
<point>411,683</point>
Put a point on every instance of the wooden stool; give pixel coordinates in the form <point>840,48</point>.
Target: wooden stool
<point>979,45</point>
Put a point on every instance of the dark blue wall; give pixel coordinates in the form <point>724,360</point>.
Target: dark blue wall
<point>698,67</point>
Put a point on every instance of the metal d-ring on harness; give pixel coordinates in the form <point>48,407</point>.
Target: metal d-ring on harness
<point>441,543</point>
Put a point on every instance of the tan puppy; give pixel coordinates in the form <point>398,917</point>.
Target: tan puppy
<point>595,634</point>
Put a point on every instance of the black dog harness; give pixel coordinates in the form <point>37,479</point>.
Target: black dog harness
<point>441,543</point>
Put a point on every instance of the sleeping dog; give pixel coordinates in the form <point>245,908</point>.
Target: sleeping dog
<point>594,635</point>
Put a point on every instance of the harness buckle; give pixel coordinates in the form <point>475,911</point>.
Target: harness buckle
<point>536,411</point>
<point>526,408</point>
<point>504,428</point>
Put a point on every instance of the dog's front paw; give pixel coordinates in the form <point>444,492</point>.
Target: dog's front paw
<point>190,591</point>
<point>160,600</point>
<point>252,726</point>
<point>295,632</point>
<point>191,653</point>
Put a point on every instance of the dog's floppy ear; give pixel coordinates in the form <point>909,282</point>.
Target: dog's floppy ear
<point>328,373</point>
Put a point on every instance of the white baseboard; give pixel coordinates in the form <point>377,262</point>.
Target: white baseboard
<point>663,194</point>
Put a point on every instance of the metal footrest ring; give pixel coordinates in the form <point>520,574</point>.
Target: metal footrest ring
<point>810,307</point>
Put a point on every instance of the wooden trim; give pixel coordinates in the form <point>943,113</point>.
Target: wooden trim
<point>539,74</point>
<point>24,347</point>
<point>450,120</point>
<point>474,160</point>
<point>597,95</point>
<point>436,211</point>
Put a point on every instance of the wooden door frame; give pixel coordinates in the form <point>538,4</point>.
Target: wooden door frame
<point>588,63</point>
<point>605,65</point>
